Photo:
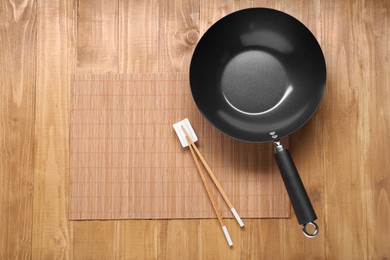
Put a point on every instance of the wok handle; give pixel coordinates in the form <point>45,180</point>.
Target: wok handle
<point>299,199</point>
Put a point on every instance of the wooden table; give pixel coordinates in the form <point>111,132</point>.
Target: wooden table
<point>342,152</point>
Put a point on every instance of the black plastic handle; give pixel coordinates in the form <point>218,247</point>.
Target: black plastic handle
<point>296,191</point>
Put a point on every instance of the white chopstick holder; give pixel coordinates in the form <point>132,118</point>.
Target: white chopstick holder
<point>182,136</point>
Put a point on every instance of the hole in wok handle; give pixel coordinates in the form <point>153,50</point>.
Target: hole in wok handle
<point>310,234</point>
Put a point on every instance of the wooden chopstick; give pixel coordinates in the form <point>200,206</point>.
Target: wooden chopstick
<point>206,185</point>
<point>211,196</point>
<point>215,180</point>
<point>208,190</point>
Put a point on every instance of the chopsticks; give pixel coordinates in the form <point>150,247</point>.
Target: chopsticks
<point>215,180</point>
<point>207,187</point>
<point>187,137</point>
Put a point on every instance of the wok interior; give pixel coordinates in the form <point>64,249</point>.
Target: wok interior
<point>257,71</point>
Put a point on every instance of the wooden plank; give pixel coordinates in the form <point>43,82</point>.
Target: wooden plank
<point>97,52</point>
<point>261,239</point>
<point>18,29</point>
<point>137,239</point>
<point>213,244</point>
<point>178,239</point>
<point>138,46</point>
<point>144,56</point>
<point>376,124</point>
<point>212,11</point>
<point>138,52</point>
<point>178,34</point>
<point>95,240</point>
<point>97,36</point>
<point>52,233</point>
<point>345,203</point>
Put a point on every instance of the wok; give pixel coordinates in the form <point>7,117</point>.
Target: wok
<point>258,75</point>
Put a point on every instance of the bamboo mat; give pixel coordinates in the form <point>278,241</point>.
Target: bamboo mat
<point>127,163</point>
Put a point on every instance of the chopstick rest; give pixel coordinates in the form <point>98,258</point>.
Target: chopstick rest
<point>182,135</point>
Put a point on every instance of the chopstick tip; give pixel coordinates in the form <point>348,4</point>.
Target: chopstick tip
<point>237,217</point>
<point>227,236</point>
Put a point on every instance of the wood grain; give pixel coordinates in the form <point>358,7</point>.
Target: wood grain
<point>344,124</point>
<point>178,34</point>
<point>341,153</point>
<point>56,50</point>
<point>97,36</point>
<point>139,41</point>
<point>94,240</point>
<point>97,56</point>
<point>375,110</point>
<point>18,35</point>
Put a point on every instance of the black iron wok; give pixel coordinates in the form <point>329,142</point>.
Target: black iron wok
<point>258,75</point>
